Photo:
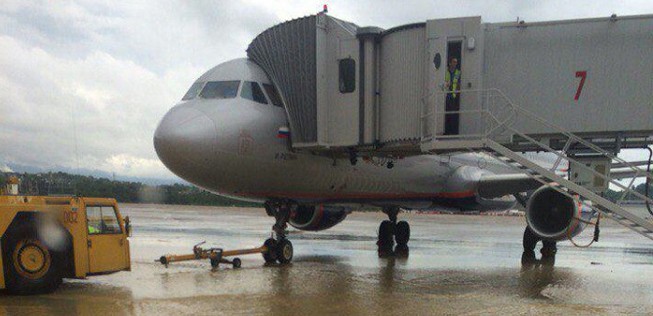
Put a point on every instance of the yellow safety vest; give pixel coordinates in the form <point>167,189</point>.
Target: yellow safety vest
<point>453,84</point>
<point>93,230</point>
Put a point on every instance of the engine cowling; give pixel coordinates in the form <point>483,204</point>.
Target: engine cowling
<point>554,216</point>
<point>317,217</point>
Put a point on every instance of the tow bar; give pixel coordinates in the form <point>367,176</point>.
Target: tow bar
<point>215,255</point>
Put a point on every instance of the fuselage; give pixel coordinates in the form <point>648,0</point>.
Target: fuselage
<point>235,146</point>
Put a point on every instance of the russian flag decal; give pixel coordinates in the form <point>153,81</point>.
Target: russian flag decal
<point>284,132</point>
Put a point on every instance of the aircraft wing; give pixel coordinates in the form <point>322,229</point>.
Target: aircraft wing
<point>626,173</point>
<point>498,185</point>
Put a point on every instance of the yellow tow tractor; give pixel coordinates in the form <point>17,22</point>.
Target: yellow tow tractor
<point>47,238</point>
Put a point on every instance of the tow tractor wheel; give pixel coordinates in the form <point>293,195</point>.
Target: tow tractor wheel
<point>270,255</point>
<point>284,251</point>
<point>30,266</point>
<point>402,235</point>
<point>236,263</point>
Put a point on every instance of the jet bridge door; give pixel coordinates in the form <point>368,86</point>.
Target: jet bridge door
<point>338,88</point>
<point>441,34</point>
<point>338,83</point>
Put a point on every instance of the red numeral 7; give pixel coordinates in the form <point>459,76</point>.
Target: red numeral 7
<point>582,75</point>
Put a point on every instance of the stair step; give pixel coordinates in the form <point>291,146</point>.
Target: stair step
<point>614,211</point>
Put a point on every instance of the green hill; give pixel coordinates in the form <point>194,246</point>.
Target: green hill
<point>61,183</point>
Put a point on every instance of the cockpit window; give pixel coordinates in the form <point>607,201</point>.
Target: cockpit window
<point>193,91</point>
<point>220,90</point>
<point>252,91</point>
<point>273,94</point>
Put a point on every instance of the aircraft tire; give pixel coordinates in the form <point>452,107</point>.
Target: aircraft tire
<point>270,256</point>
<point>401,251</point>
<point>549,250</point>
<point>386,231</point>
<point>386,240</point>
<point>530,240</point>
<point>528,259</point>
<point>402,235</point>
<point>284,251</point>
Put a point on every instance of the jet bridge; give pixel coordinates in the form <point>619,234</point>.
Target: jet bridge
<point>364,89</point>
<point>579,89</point>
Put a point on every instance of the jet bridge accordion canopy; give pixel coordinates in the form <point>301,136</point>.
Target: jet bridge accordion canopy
<point>287,53</point>
<point>294,55</point>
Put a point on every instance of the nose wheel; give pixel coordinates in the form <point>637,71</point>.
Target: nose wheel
<point>391,232</point>
<point>279,248</point>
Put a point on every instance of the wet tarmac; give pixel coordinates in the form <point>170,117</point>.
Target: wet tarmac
<point>462,265</point>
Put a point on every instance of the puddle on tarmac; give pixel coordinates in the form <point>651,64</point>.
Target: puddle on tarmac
<point>457,265</point>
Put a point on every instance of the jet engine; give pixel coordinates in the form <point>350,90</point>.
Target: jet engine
<point>554,216</point>
<point>317,217</point>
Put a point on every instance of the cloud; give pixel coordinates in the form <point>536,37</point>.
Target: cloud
<point>86,82</point>
<point>94,107</point>
<point>5,168</point>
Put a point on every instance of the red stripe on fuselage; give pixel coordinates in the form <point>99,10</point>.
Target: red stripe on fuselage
<point>449,195</point>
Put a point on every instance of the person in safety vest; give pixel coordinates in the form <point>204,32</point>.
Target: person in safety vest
<point>452,86</point>
<point>92,229</point>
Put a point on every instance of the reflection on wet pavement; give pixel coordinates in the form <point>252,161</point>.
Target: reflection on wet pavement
<point>457,265</point>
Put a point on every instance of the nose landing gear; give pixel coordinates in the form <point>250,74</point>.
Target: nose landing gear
<point>391,231</point>
<point>278,249</point>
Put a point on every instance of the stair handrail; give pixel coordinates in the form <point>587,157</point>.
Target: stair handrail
<point>571,136</point>
<point>495,122</point>
<point>515,110</point>
<point>641,225</point>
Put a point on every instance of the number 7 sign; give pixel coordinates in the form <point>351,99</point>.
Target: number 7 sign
<point>582,75</point>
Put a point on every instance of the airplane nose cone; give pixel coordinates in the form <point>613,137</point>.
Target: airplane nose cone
<point>185,137</point>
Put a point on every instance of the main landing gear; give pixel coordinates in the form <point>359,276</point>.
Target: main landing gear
<point>391,231</point>
<point>548,251</point>
<point>278,247</point>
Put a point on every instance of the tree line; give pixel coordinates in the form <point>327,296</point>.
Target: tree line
<point>61,183</point>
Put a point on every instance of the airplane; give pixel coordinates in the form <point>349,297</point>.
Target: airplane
<point>229,135</point>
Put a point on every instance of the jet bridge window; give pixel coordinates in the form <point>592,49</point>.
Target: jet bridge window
<point>273,94</point>
<point>193,91</point>
<point>252,91</point>
<point>220,90</point>
<point>347,71</point>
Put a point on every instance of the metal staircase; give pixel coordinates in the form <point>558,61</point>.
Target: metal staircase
<point>495,121</point>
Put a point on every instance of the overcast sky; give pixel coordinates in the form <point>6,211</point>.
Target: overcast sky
<point>117,67</point>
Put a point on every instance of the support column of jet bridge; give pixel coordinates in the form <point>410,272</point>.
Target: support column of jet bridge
<point>369,84</point>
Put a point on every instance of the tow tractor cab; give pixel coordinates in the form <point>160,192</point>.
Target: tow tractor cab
<point>47,238</point>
